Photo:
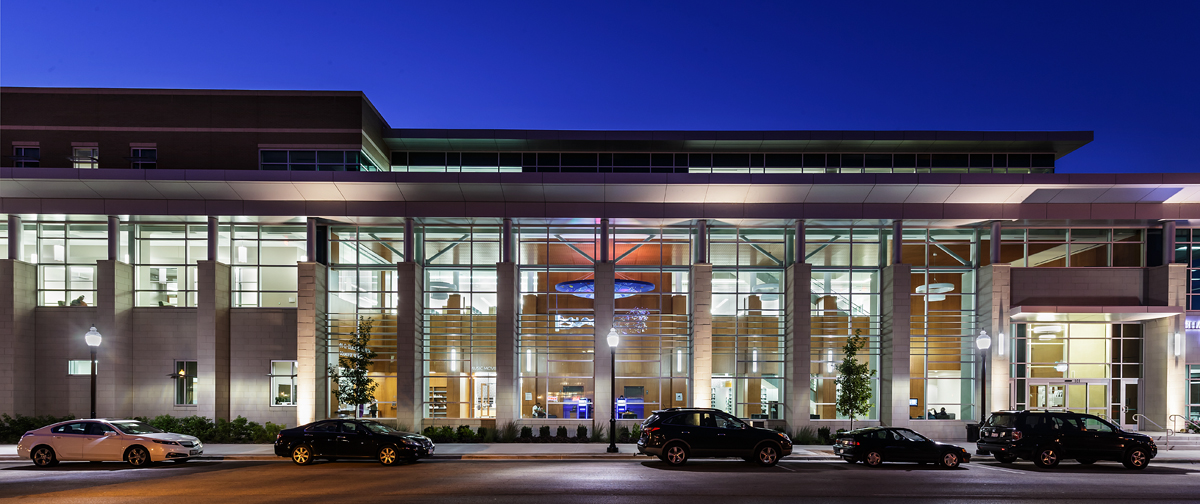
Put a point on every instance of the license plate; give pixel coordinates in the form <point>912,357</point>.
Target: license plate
<point>193,452</point>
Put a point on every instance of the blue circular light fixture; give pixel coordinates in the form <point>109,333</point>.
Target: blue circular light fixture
<point>587,288</point>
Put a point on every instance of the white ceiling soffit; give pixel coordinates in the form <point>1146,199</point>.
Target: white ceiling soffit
<point>1036,314</point>
<point>1124,194</point>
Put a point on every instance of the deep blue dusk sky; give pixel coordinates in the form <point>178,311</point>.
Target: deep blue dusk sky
<point>1127,70</point>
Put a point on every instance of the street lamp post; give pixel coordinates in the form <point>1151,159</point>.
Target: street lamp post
<point>613,340</point>
<point>92,338</point>
<point>984,342</point>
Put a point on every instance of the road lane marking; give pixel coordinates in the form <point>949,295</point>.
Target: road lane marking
<point>1011,471</point>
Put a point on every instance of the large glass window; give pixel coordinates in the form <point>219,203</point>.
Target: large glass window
<point>844,301</point>
<point>653,358</point>
<point>27,157</point>
<point>1187,251</point>
<point>748,320</point>
<point>316,160</point>
<point>362,283</point>
<point>460,321</point>
<point>1194,393</point>
<point>1068,247</point>
<point>66,254</point>
<point>264,264</point>
<point>1095,358</point>
<point>557,331</point>
<point>165,257</point>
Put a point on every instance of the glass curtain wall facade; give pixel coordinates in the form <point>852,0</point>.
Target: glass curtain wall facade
<point>654,357</point>
<point>362,283</point>
<point>1187,251</point>
<point>1071,247</point>
<point>942,356</point>
<point>844,300</point>
<point>556,329</point>
<point>66,255</point>
<point>164,261</point>
<point>263,260</point>
<point>460,321</point>
<point>748,320</point>
<point>1103,362</point>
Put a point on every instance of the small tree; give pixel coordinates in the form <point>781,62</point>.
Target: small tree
<point>854,380</point>
<point>354,387</point>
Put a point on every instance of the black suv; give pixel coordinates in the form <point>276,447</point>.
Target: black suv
<point>334,439</point>
<point>1047,438</point>
<point>674,435</point>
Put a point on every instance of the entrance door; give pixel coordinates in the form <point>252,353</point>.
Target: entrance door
<point>1125,403</point>
<point>1080,396</point>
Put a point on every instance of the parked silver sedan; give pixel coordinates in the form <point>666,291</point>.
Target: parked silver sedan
<point>97,440</point>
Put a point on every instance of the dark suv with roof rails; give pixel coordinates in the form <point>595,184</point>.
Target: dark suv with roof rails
<point>1048,437</point>
<point>675,435</point>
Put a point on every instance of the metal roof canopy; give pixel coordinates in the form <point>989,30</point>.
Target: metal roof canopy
<point>1113,314</point>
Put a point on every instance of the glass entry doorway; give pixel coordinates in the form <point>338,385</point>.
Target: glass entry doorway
<point>1114,400</point>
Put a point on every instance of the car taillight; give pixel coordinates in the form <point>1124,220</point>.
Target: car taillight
<point>1017,435</point>
<point>279,435</point>
<point>650,430</point>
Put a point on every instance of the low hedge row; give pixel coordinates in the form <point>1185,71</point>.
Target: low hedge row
<point>239,430</point>
<point>510,433</point>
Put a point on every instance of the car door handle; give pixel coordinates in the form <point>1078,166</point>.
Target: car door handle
<point>684,432</point>
<point>720,433</point>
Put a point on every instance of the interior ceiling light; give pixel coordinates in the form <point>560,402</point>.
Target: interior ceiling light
<point>936,291</point>
<point>587,288</point>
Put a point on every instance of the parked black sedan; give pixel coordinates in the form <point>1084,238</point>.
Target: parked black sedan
<point>345,438</point>
<point>876,445</point>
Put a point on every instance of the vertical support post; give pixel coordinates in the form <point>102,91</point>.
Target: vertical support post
<point>410,244</point>
<point>312,344</point>
<point>310,246</point>
<point>508,390</point>
<point>702,241</point>
<point>214,238</point>
<point>18,305</point>
<point>797,347</point>
<point>801,243</point>
<point>604,307</point>
<point>604,246</point>
<point>995,243</point>
<point>93,382</point>
<point>410,340</point>
<point>213,329</point>
<point>1168,242</point>
<point>14,236</point>
<point>897,241</point>
<point>506,241</point>
<point>114,238</point>
<point>701,298</point>
<point>894,365</point>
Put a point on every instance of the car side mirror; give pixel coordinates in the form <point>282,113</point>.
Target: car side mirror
<point>110,434</point>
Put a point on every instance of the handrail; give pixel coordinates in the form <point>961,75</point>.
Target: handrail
<point>1167,440</point>
<point>1186,422</point>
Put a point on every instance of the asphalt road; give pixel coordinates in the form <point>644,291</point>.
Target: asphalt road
<point>556,482</point>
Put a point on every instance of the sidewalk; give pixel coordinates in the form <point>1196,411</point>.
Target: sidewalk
<point>557,451</point>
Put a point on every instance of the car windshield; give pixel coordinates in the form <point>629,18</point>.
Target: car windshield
<point>379,428</point>
<point>137,428</point>
<point>1001,420</point>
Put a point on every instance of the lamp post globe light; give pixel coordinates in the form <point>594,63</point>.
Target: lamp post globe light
<point>614,339</point>
<point>92,338</point>
<point>983,342</point>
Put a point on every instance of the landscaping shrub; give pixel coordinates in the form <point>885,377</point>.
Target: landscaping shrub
<point>508,432</point>
<point>597,434</point>
<point>823,434</point>
<point>544,431</point>
<point>238,430</point>
<point>806,436</point>
<point>526,432</point>
<point>562,431</point>
<point>464,434</point>
<point>581,432</point>
<point>623,434</point>
<point>11,428</point>
<point>635,434</point>
<point>487,435</point>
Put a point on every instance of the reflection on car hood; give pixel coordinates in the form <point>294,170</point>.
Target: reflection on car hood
<point>168,436</point>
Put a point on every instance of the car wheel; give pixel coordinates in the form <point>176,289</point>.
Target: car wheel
<point>873,459</point>
<point>1046,458</point>
<point>767,455</point>
<point>1086,461</point>
<point>1005,459</point>
<point>302,455</point>
<point>43,456</point>
<point>388,455</point>
<point>1136,458</point>
<point>137,456</point>
<point>676,454</point>
<point>950,460</point>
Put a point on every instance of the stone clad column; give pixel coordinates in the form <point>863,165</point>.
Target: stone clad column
<point>212,339</point>
<point>114,321</point>
<point>798,351</point>
<point>1164,373</point>
<point>605,276</point>
<point>18,300</point>
<point>312,343</point>
<point>508,400</point>
<point>702,339</point>
<point>894,376</point>
<point>410,341</point>
<point>992,316</point>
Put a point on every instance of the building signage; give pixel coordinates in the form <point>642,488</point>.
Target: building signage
<point>1191,323</point>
